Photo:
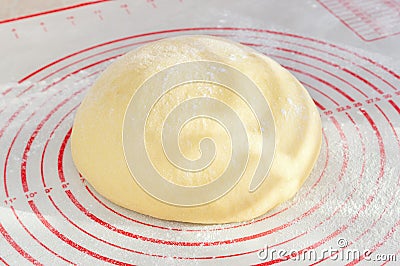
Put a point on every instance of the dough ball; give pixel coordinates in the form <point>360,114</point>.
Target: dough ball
<point>196,129</point>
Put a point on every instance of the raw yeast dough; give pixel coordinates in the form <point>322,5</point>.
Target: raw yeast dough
<point>205,147</point>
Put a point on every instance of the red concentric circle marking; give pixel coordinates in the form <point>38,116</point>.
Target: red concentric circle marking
<point>310,70</point>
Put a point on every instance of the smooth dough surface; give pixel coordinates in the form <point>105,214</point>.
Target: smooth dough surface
<point>97,144</point>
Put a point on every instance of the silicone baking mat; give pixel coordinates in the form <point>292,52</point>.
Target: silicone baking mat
<point>346,53</point>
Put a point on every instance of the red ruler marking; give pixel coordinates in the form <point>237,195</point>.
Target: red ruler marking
<point>365,205</point>
<point>52,11</point>
<point>69,241</point>
<point>369,19</point>
<point>18,248</point>
<point>37,240</point>
<point>3,261</point>
<point>48,140</point>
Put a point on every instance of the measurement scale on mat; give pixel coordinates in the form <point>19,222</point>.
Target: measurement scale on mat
<point>50,215</point>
